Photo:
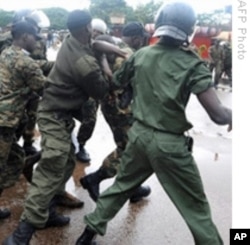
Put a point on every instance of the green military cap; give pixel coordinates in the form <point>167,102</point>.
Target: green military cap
<point>78,18</point>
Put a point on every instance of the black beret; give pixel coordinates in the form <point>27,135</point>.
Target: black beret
<point>78,18</point>
<point>24,26</point>
<point>134,29</point>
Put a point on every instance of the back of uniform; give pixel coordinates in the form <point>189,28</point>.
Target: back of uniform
<point>170,86</point>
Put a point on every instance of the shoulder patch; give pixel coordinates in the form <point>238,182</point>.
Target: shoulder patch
<point>87,64</point>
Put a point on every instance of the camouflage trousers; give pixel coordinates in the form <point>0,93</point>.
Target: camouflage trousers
<point>119,122</point>
<point>88,121</point>
<point>218,73</point>
<point>11,158</point>
<point>28,122</point>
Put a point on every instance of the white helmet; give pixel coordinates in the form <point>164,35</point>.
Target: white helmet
<point>37,17</point>
<point>99,25</point>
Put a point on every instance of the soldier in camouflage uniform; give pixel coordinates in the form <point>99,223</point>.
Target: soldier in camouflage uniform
<point>27,124</point>
<point>228,61</point>
<point>74,78</point>
<point>20,76</point>
<point>217,54</point>
<point>119,119</point>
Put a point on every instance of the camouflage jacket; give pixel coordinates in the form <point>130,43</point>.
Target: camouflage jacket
<point>38,54</point>
<point>217,54</point>
<point>19,76</point>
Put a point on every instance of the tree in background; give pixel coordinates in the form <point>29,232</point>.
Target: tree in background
<point>5,17</point>
<point>219,18</point>
<point>145,13</point>
<point>103,9</point>
<point>58,17</point>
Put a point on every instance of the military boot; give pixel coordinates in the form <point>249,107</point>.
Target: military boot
<point>86,238</point>
<point>29,149</point>
<point>67,200</point>
<point>82,155</point>
<point>55,219</point>
<point>29,163</point>
<point>140,193</point>
<point>21,236</point>
<point>91,182</point>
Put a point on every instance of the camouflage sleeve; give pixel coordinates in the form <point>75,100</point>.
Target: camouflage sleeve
<point>123,76</point>
<point>46,66</point>
<point>93,82</point>
<point>31,73</point>
<point>119,60</point>
<point>39,53</point>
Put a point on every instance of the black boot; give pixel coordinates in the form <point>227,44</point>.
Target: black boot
<point>91,182</point>
<point>67,200</point>
<point>30,161</point>
<point>4,213</point>
<point>86,238</point>
<point>21,236</point>
<point>56,220</point>
<point>82,155</point>
<point>140,193</point>
<point>29,149</point>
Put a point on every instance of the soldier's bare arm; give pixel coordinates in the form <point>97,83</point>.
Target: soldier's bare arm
<point>216,111</point>
<point>106,47</point>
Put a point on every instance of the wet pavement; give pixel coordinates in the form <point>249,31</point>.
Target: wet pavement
<point>155,220</point>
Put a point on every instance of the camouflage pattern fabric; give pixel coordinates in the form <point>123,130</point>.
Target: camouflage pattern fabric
<point>228,62</point>
<point>89,111</point>
<point>119,120</point>
<point>39,54</point>
<point>11,158</point>
<point>31,112</point>
<point>5,40</point>
<point>20,75</point>
<point>218,55</point>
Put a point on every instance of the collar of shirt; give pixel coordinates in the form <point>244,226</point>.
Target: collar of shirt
<point>76,42</point>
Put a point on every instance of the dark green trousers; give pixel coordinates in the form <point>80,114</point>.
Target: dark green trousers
<point>149,151</point>
<point>55,167</point>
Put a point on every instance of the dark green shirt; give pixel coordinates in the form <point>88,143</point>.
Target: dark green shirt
<point>74,78</point>
<point>163,79</point>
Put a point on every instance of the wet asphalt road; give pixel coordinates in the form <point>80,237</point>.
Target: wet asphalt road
<point>155,220</point>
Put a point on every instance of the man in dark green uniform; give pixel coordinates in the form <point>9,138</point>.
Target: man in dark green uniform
<point>164,74</point>
<point>89,109</point>
<point>119,119</point>
<point>74,78</point>
<point>20,76</point>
